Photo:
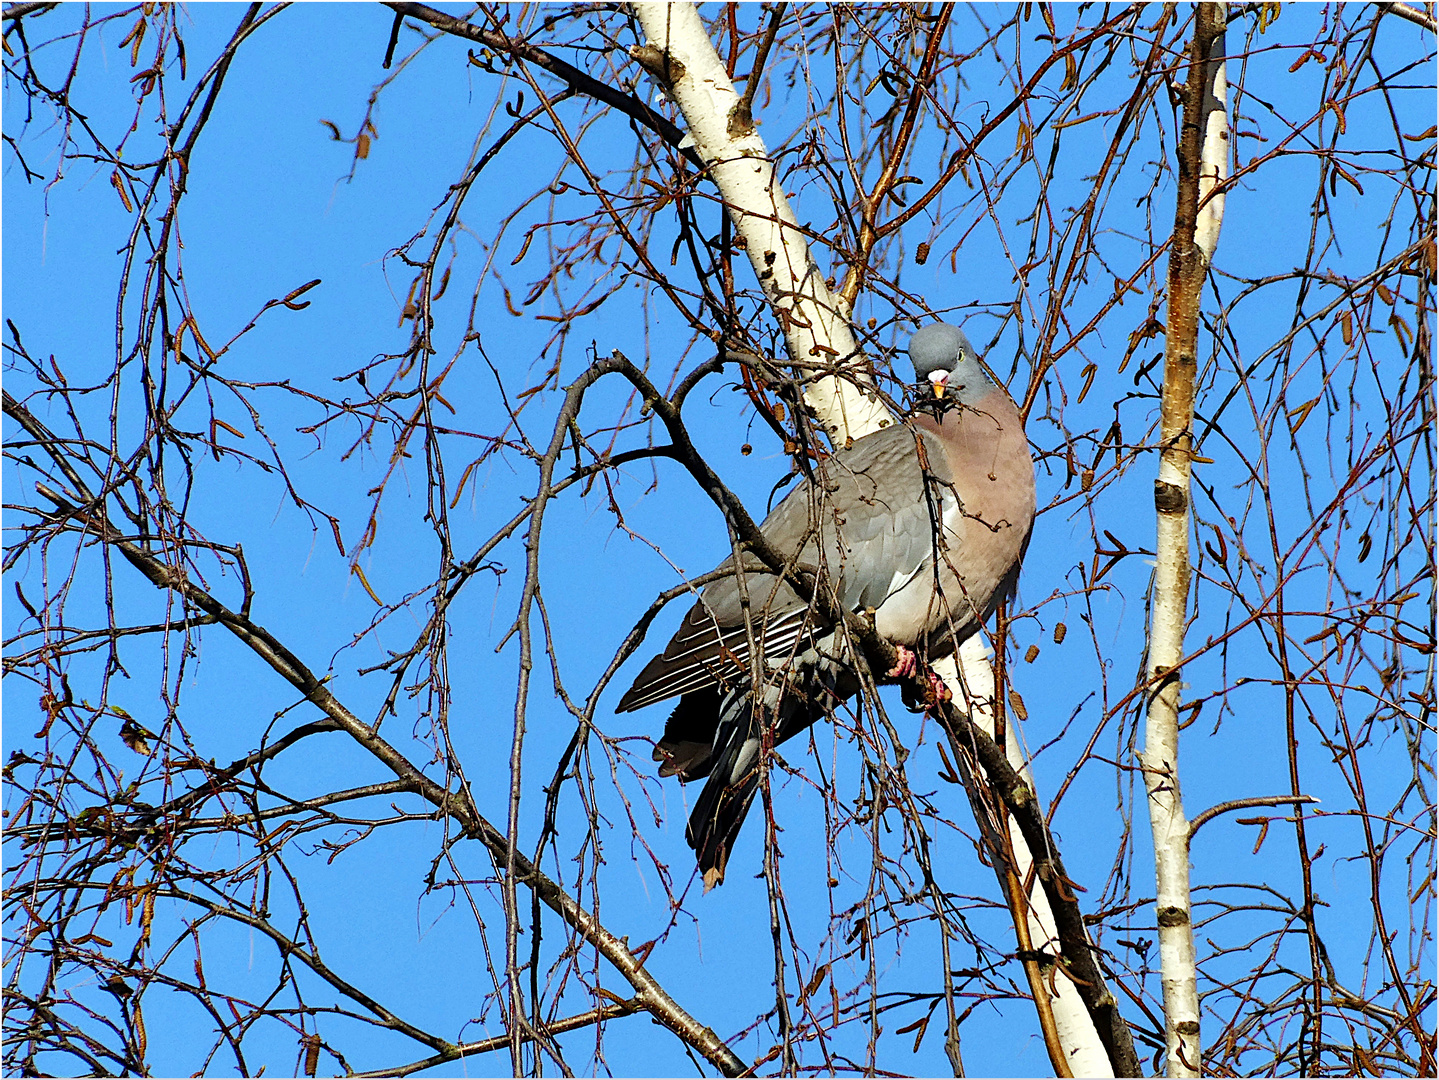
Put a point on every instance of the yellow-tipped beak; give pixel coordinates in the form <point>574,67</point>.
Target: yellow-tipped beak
<point>937,382</point>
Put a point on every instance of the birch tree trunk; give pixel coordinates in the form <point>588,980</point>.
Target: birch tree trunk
<point>970,675</point>
<point>1202,165</point>
<point>680,54</point>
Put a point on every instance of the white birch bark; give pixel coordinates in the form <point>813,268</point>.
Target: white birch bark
<point>819,336</point>
<point>970,667</point>
<point>1214,159</point>
<point>815,329</point>
<point>1160,758</point>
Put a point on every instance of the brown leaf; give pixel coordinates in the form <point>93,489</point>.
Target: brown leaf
<point>135,737</point>
<point>815,982</point>
<point>119,185</point>
<point>1017,704</point>
<point>1300,413</point>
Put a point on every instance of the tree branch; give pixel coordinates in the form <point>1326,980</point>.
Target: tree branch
<point>1189,254</point>
<point>457,804</point>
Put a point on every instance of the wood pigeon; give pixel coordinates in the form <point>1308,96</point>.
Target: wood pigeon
<point>924,522</point>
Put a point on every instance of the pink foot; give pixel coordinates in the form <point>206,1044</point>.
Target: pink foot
<point>939,691</point>
<point>905,666</point>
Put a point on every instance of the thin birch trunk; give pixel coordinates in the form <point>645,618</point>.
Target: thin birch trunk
<point>971,669</point>
<point>1203,164</point>
<point>680,55</point>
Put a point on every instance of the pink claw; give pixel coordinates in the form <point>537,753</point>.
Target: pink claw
<point>939,691</point>
<point>905,666</point>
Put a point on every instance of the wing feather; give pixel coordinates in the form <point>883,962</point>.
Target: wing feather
<point>867,523</point>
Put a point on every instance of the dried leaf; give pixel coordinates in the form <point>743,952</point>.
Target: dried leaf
<point>311,1044</point>
<point>119,183</point>
<point>135,737</point>
<point>355,569</point>
<point>1017,704</point>
<point>815,982</point>
<point>1300,413</point>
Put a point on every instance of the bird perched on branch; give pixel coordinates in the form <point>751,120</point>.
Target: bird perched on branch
<point>923,523</point>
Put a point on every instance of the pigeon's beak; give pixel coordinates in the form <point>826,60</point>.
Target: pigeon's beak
<point>937,382</point>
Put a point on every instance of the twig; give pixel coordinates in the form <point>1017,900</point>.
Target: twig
<point>1245,804</point>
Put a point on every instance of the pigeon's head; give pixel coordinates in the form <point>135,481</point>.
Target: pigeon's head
<point>945,360</point>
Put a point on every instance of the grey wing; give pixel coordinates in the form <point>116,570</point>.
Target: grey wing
<point>711,646</point>
<point>867,524</point>
<point>884,520</point>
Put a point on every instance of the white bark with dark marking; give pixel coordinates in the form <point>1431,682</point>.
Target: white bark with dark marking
<point>1202,166</point>
<point>1082,1047</point>
<point>682,59</point>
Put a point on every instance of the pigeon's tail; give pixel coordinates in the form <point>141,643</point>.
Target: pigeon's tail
<point>734,768</point>
<point>716,734</point>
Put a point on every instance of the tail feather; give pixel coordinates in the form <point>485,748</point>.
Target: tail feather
<point>715,734</point>
<point>728,793</point>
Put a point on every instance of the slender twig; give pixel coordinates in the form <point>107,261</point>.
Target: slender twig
<point>457,804</point>
<point>1246,804</point>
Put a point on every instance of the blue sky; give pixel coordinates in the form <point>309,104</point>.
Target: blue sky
<point>270,208</point>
